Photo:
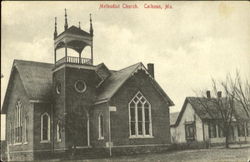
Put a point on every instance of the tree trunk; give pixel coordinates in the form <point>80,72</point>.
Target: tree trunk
<point>227,141</point>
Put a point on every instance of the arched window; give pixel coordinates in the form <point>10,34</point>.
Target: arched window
<point>140,124</point>
<point>45,127</point>
<point>18,124</point>
<point>101,126</point>
<point>58,132</point>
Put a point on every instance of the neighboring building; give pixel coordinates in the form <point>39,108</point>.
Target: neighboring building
<point>195,124</point>
<point>121,109</point>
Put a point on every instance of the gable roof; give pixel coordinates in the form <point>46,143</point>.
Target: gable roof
<point>198,103</point>
<point>112,84</point>
<point>36,78</point>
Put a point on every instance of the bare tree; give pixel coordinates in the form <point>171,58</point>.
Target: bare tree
<point>239,90</point>
<point>222,109</point>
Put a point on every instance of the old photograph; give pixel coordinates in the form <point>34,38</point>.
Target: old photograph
<point>125,81</point>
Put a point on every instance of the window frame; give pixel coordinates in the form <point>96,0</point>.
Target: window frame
<point>241,129</point>
<point>210,133</point>
<point>137,135</point>
<point>26,130</point>
<point>48,131</point>
<point>58,130</point>
<point>100,127</point>
<point>18,123</point>
<point>188,137</point>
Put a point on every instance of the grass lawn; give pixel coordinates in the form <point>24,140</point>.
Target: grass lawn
<point>218,155</point>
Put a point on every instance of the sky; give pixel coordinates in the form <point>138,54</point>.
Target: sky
<point>188,44</point>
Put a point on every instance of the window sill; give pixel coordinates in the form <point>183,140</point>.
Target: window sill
<point>45,141</point>
<point>59,141</point>
<point>25,143</point>
<point>101,138</point>
<point>17,144</point>
<point>134,137</point>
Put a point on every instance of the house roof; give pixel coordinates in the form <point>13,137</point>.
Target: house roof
<point>173,117</point>
<point>206,109</point>
<point>37,80</point>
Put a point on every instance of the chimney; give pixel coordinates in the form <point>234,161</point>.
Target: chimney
<point>208,94</point>
<point>219,94</point>
<point>151,69</point>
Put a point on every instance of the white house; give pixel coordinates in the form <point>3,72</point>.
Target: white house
<point>194,123</point>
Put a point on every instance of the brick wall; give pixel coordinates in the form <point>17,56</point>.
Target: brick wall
<point>159,112</point>
<point>17,92</point>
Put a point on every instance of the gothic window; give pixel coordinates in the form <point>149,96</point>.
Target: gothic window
<point>58,132</point>
<point>45,127</point>
<point>18,124</point>
<point>101,126</point>
<point>212,130</point>
<point>140,124</point>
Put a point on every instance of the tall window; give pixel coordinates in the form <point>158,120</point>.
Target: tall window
<point>101,126</point>
<point>220,130</point>
<point>58,132</point>
<point>190,131</point>
<point>26,129</point>
<point>140,117</point>
<point>18,124</point>
<point>212,130</point>
<point>241,129</point>
<point>45,127</point>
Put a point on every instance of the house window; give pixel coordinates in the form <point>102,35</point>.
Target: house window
<point>26,129</point>
<point>45,127</point>
<point>18,125</point>
<point>212,130</point>
<point>140,116</point>
<point>58,132</point>
<point>190,131</point>
<point>241,129</point>
<point>220,130</point>
<point>101,126</point>
<point>248,129</point>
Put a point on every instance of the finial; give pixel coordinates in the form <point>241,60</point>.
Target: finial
<point>66,21</point>
<point>91,31</point>
<point>55,33</point>
<point>79,24</point>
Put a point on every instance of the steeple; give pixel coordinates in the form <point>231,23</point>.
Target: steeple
<point>66,21</point>
<point>55,33</point>
<point>91,31</point>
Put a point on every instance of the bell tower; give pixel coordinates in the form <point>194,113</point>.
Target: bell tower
<point>74,38</point>
<point>74,79</point>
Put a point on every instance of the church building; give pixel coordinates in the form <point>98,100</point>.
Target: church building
<point>72,104</point>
